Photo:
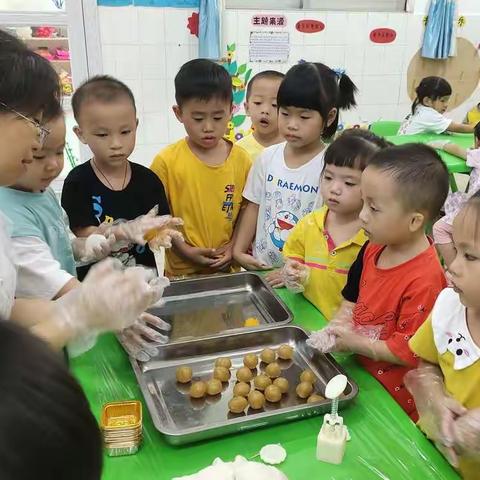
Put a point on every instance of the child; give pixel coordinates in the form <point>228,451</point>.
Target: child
<point>442,229</point>
<point>283,185</point>
<point>109,189</point>
<point>446,384</point>
<point>393,284</point>
<point>203,174</point>
<point>433,95</point>
<point>473,115</point>
<point>327,241</point>
<point>261,106</point>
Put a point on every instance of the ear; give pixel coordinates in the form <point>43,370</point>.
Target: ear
<point>417,222</point>
<point>178,113</point>
<point>245,105</point>
<point>78,132</point>
<point>427,101</point>
<point>331,116</point>
<point>136,123</point>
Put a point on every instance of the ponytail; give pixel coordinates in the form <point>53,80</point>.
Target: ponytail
<point>347,92</point>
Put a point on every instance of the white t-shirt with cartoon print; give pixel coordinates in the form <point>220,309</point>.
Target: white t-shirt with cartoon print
<point>284,195</point>
<point>424,120</point>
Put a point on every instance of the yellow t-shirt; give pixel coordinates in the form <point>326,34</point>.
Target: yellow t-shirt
<point>444,339</point>
<point>207,198</point>
<point>251,145</point>
<point>473,116</point>
<point>309,243</point>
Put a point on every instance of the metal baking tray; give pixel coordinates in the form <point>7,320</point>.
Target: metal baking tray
<point>184,420</point>
<point>215,304</point>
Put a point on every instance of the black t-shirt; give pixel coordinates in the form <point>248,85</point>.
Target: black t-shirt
<point>88,202</point>
<point>352,288</point>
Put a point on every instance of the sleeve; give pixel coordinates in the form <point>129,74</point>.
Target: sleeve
<point>432,121</point>
<point>294,247</point>
<point>77,204</point>
<point>159,167</point>
<point>417,304</point>
<point>473,158</point>
<point>158,196</point>
<point>351,290</point>
<point>39,274</point>
<point>422,343</point>
<point>255,187</point>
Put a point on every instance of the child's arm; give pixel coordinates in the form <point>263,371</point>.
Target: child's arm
<point>460,128</point>
<point>203,257</point>
<point>449,147</point>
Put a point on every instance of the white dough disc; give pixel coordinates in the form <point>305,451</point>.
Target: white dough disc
<point>273,454</point>
<point>336,386</point>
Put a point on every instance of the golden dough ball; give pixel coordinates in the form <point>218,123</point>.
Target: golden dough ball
<point>285,352</point>
<point>273,393</point>
<point>256,399</point>
<point>282,384</point>
<point>237,404</point>
<point>250,360</point>
<point>304,389</point>
<point>221,373</point>
<point>268,355</point>
<point>241,389</point>
<point>273,370</point>
<point>261,382</point>
<point>307,376</point>
<point>183,374</point>
<point>214,386</point>
<point>223,362</point>
<point>244,374</point>
<point>315,398</point>
<point>198,389</point>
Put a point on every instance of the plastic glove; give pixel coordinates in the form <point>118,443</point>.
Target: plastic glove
<point>141,340</point>
<point>275,278</point>
<point>218,470</point>
<point>466,434</point>
<point>295,275</point>
<point>245,470</point>
<point>93,248</point>
<point>438,144</point>
<point>110,298</point>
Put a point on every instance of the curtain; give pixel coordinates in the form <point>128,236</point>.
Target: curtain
<point>439,40</point>
<point>209,30</point>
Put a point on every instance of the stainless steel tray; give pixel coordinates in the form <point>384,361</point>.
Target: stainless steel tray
<point>206,306</point>
<point>184,420</point>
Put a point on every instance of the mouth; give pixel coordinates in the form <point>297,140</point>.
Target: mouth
<point>209,139</point>
<point>455,288</point>
<point>367,233</point>
<point>264,122</point>
<point>117,155</point>
<point>291,138</point>
<point>332,201</point>
<point>284,225</point>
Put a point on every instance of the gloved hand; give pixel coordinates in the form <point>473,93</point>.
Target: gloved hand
<point>295,275</point>
<point>93,248</point>
<point>141,340</point>
<point>438,144</point>
<point>466,434</point>
<point>110,298</point>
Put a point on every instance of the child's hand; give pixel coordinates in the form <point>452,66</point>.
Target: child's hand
<point>223,256</point>
<point>466,434</point>
<point>249,262</point>
<point>275,279</point>
<point>205,257</point>
<point>295,275</point>
<point>438,144</point>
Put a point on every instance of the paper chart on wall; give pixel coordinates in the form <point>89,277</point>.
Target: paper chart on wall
<point>272,47</point>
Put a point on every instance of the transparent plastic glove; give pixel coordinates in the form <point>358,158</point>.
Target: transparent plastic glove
<point>164,236</point>
<point>142,339</point>
<point>217,471</point>
<point>93,248</point>
<point>245,470</point>
<point>438,144</point>
<point>275,278</point>
<point>466,434</point>
<point>295,275</point>
<point>322,340</point>
<point>110,298</point>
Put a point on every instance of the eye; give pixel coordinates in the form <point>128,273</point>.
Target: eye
<point>350,184</point>
<point>303,117</point>
<point>470,258</point>
<point>274,105</point>
<point>217,119</point>
<point>126,132</point>
<point>284,113</point>
<point>39,157</point>
<point>327,177</point>
<point>197,119</point>
<point>373,209</point>
<point>101,135</point>
<point>256,103</point>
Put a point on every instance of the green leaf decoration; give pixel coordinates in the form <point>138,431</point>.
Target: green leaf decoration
<point>238,97</point>
<point>242,69</point>
<point>237,120</point>
<point>247,75</point>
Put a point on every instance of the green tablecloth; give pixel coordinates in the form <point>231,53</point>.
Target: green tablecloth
<point>385,443</point>
<point>454,164</point>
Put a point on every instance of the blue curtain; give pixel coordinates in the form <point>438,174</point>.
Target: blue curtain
<point>439,38</point>
<point>209,30</point>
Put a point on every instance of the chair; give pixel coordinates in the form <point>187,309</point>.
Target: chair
<point>385,128</point>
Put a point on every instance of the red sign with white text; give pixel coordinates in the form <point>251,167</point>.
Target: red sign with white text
<point>310,26</point>
<point>383,35</point>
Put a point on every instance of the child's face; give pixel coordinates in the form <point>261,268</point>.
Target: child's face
<point>384,217</point>
<point>48,162</point>
<point>205,121</point>
<point>465,268</point>
<point>340,188</point>
<point>300,126</point>
<point>109,129</point>
<point>440,104</point>
<point>262,105</point>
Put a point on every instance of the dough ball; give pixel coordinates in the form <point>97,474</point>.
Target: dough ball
<point>244,374</point>
<point>241,389</point>
<point>307,376</point>
<point>183,374</point>
<point>250,361</point>
<point>198,389</point>
<point>223,362</point>
<point>315,398</point>
<point>237,404</point>
<point>304,389</point>
<point>273,393</point>
<point>261,382</point>
<point>282,384</point>
<point>214,386</point>
<point>221,373</point>
<point>285,352</point>
<point>267,355</point>
<point>256,399</point>
<point>273,370</point>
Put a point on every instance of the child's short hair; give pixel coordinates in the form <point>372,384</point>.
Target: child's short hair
<point>202,79</point>
<point>433,88</point>
<point>101,88</point>
<point>476,131</point>
<point>315,86</point>
<point>270,74</point>
<point>353,149</point>
<point>419,173</point>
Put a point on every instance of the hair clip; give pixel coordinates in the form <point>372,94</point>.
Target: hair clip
<point>301,61</point>
<point>339,72</point>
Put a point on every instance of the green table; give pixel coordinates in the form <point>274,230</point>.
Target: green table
<point>385,443</point>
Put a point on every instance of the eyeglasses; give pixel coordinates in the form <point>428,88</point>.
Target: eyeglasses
<point>43,132</point>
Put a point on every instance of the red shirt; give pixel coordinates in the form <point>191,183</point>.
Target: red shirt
<point>397,300</point>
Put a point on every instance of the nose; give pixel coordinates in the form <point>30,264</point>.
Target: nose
<point>454,267</point>
<point>363,215</point>
<point>116,142</point>
<point>335,188</point>
<point>292,125</point>
<point>52,164</point>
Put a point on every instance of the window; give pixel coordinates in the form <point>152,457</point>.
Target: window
<point>342,5</point>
